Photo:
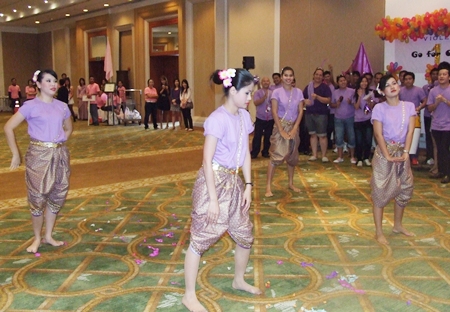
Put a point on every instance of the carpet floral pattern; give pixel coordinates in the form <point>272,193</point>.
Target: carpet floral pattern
<point>313,251</point>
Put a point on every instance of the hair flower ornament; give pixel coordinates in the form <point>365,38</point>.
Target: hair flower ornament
<point>227,76</point>
<point>35,75</point>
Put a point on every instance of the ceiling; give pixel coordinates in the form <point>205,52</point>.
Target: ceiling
<point>27,12</point>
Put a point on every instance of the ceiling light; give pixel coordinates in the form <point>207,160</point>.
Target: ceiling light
<point>29,6</point>
<point>169,33</point>
<point>1,14</point>
<point>67,14</point>
<point>85,10</point>
<point>36,22</point>
<point>45,1</point>
<point>106,5</point>
<point>14,10</point>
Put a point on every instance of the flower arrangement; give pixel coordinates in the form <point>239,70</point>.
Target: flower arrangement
<point>436,23</point>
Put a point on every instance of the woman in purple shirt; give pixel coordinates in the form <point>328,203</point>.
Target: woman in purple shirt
<point>393,123</point>
<point>363,103</point>
<point>287,111</point>
<point>47,157</point>
<point>220,200</point>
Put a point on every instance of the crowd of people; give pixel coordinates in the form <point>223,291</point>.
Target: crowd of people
<point>361,108</point>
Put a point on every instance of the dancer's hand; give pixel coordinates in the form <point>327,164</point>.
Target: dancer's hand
<point>247,197</point>
<point>15,162</point>
<point>292,133</point>
<point>285,135</point>
<point>213,212</point>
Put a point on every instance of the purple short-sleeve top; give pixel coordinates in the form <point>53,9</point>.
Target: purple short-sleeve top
<point>45,120</point>
<point>226,127</point>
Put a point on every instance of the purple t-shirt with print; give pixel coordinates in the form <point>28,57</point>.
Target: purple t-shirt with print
<point>345,110</point>
<point>282,96</point>
<point>226,127</point>
<point>263,110</point>
<point>395,119</point>
<point>45,120</point>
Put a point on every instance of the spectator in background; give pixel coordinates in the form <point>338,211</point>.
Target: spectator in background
<point>92,91</point>
<point>30,90</point>
<point>14,94</point>
<point>175,108</point>
<point>82,105</point>
<point>431,156</point>
<point>276,77</point>
<point>185,96</point>
<point>122,94</point>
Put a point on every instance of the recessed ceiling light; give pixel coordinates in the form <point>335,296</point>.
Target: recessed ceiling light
<point>169,33</point>
<point>106,5</point>
<point>1,14</point>
<point>67,14</point>
<point>36,22</point>
<point>85,10</point>
<point>14,10</point>
<point>29,6</point>
<point>45,1</point>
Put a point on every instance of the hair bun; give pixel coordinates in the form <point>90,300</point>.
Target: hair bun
<point>216,78</point>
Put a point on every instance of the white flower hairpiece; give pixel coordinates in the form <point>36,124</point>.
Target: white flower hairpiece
<point>226,76</point>
<point>35,75</point>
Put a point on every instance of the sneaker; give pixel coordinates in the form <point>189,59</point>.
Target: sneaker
<point>338,160</point>
<point>359,164</point>
<point>335,150</point>
<point>367,162</point>
<point>414,162</point>
<point>312,158</point>
<point>325,159</point>
<point>353,161</point>
<point>430,161</point>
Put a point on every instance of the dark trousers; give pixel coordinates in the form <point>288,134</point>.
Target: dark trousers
<point>187,118</point>
<point>428,140</point>
<point>262,128</point>
<point>442,139</point>
<point>304,136</point>
<point>363,138</point>
<point>151,109</point>
<point>94,113</point>
<point>330,130</point>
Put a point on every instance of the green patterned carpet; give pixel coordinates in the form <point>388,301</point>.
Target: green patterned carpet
<point>313,251</point>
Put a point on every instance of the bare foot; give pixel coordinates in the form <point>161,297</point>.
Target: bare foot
<point>52,242</point>
<point>246,287</point>
<point>33,248</point>
<point>295,189</point>
<point>268,193</point>
<point>402,230</point>
<point>192,304</point>
<point>381,239</point>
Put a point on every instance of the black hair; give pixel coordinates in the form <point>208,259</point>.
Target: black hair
<point>327,72</point>
<point>149,80</point>
<point>356,73</point>
<point>409,74</point>
<point>187,84</point>
<point>276,74</point>
<point>46,71</point>
<point>368,74</point>
<point>319,68</point>
<point>242,78</point>
<point>404,71</point>
<point>379,73</point>
<point>444,65</point>
<point>384,80</point>
<point>358,85</point>
<point>287,68</point>
<point>339,77</point>
<point>62,81</point>
<point>81,79</point>
<point>176,79</point>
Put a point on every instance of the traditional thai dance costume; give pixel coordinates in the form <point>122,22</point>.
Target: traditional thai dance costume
<point>282,149</point>
<point>47,158</point>
<point>392,179</point>
<point>232,133</point>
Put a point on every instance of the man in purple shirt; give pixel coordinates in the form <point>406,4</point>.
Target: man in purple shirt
<point>410,93</point>
<point>276,77</point>
<point>427,118</point>
<point>264,120</point>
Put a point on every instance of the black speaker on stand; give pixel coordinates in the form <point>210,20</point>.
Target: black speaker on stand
<point>248,62</point>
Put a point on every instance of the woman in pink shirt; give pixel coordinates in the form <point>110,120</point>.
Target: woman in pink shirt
<point>30,90</point>
<point>122,93</point>
<point>47,158</point>
<point>220,199</point>
<point>151,98</point>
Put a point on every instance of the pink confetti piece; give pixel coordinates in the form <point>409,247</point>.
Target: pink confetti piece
<point>332,275</point>
<point>174,244</point>
<point>145,240</point>
<point>408,303</point>
<point>279,262</point>
<point>347,285</point>
<point>159,240</point>
<point>175,283</point>
<point>37,254</point>
<point>138,261</point>
<point>170,235</point>
<point>307,264</point>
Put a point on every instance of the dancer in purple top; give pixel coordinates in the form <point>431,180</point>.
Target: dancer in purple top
<point>220,200</point>
<point>47,158</point>
<point>393,123</point>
